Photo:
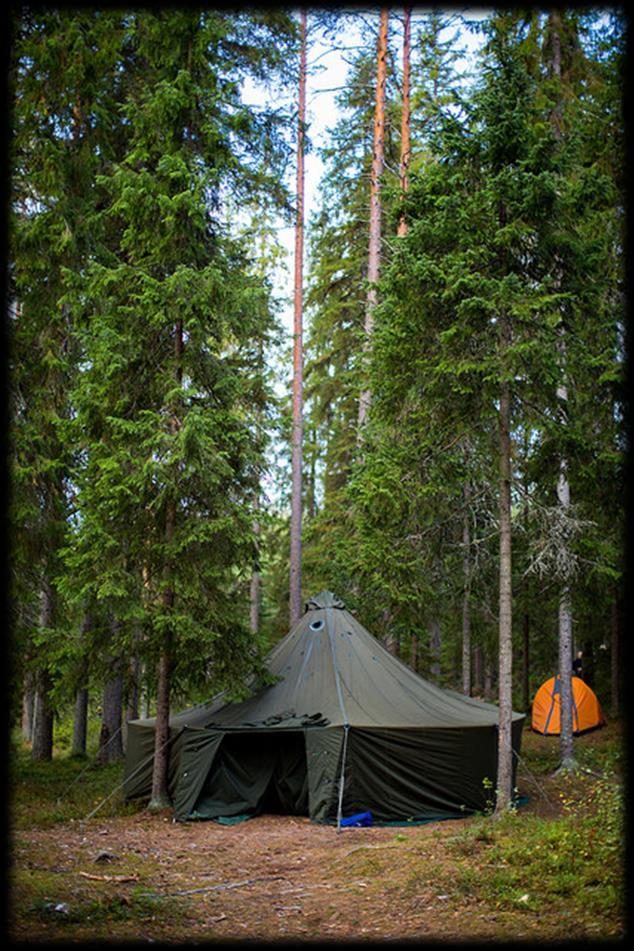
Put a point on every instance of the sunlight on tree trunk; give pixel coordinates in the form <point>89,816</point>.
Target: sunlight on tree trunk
<point>405,118</point>
<point>374,248</point>
<point>295,594</point>
<point>505,683</point>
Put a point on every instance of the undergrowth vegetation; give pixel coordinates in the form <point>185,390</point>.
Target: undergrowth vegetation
<point>556,861</point>
<point>573,861</point>
<point>569,854</point>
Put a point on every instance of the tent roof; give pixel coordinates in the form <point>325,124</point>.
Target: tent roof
<point>325,599</point>
<point>331,671</point>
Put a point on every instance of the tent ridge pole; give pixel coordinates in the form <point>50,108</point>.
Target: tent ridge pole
<point>346,724</point>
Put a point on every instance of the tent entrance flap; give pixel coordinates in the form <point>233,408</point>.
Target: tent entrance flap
<point>253,773</point>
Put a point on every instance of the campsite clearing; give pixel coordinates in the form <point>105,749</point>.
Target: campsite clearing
<point>551,871</point>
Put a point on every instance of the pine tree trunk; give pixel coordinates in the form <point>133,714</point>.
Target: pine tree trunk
<point>413,654</point>
<point>159,797</point>
<point>133,692</point>
<point>80,718</point>
<point>505,681</point>
<point>374,247</point>
<point>391,639</point>
<point>526,620</point>
<point>566,645</point>
<point>526,630</point>
<point>80,722</point>
<point>615,666</point>
<point>295,584</point>
<point>28,706</point>
<point>145,691</point>
<point>255,590</point>
<point>466,592</point>
<point>477,669</point>
<point>435,645</point>
<point>566,742</point>
<point>132,708</point>
<point>405,118</point>
<point>43,719</point>
<point>488,680</point>
<point>110,739</point>
<point>311,488</point>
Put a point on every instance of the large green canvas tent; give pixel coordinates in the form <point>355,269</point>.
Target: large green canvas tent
<point>346,728</point>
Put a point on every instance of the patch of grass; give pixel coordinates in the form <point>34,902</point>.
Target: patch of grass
<point>62,790</point>
<point>94,910</point>
<point>574,861</point>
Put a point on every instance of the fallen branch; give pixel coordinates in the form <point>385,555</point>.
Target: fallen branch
<point>212,888</point>
<point>109,878</point>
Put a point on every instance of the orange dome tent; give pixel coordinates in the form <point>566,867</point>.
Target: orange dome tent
<point>586,709</point>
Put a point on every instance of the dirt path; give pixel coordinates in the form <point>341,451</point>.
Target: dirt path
<point>271,878</point>
<point>275,878</point>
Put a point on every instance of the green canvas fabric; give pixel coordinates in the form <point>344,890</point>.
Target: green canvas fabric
<point>198,753</point>
<point>341,705</point>
<point>252,772</point>
<point>139,759</point>
<point>324,753</point>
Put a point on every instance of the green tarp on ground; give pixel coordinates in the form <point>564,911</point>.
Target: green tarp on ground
<point>347,727</point>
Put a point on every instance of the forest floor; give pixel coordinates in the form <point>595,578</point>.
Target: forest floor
<point>142,877</point>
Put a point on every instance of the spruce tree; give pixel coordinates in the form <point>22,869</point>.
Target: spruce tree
<point>169,388</point>
<point>64,128</point>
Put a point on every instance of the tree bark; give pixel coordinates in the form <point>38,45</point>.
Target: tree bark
<point>466,591</point>
<point>615,666</point>
<point>132,709</point>
<point>110,748</point>
<point>405,118</point>
<point>80,722</point>
<point>526,620</point>
<point>374,246</point>
<point>413,653</point>
<point>133,692</point>
<point>295,583</point>
<point>159,797</point>
<point>391,639</point>
<point>80,718</point>
<point>505,681</point>
<point>477,669</point>
<point>28,706</point>
<point>566,738</point>
<point>435,647</point>
<point>110,737</point>
<point>488,680</point>
<point>255,594</point>
<point>43,719</point>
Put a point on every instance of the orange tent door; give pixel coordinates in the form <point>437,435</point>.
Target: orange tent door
<point>546,713</point>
